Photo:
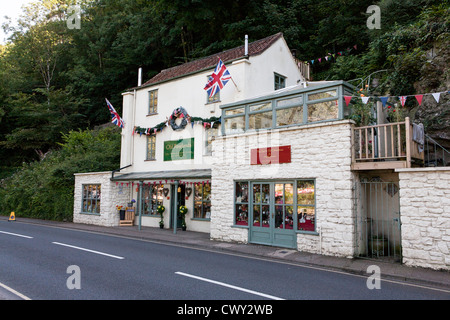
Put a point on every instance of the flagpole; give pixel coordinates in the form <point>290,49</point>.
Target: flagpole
<point>235,85</point>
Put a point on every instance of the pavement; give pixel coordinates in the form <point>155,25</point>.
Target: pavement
<point>197,240</point>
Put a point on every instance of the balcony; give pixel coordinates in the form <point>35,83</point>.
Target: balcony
<point>385,146</point>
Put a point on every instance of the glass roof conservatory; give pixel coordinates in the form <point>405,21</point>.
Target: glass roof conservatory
<point>311,102</point>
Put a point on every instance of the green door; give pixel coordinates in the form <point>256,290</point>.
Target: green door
<point>272,214</point>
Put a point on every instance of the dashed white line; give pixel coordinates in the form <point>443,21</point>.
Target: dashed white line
<point>229,286</point>
<point>88,250</point>
<point>16,234</point>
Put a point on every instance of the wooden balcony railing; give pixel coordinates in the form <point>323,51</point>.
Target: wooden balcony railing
<point>385,146</point>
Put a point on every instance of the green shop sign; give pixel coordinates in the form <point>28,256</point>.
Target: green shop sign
<point>179,149</point>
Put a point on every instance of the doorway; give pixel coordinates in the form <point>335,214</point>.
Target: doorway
<point>378,221</point>
<point>181,196</point>
<point>271,214</point>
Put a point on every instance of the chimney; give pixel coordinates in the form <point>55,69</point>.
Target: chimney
<point>140,77</point>
<point>246,45</point>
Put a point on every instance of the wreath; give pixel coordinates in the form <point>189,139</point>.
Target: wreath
<point>178,113</point>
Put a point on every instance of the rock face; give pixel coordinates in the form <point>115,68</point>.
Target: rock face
<point>435,77</point>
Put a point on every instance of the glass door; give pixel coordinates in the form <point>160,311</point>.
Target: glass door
<point>271,215</point>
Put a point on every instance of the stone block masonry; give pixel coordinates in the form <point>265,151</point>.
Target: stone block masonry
<point>318,151</point>
<point>111,196</point>
<point>425,216</point>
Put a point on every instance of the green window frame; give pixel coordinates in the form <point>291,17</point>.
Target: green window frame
<point>91,198</point>
<point>153,102</point>
<point>300,205</point>
<point>299,107</point>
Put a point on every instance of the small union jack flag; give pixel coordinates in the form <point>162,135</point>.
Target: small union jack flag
<point>115,118</point>
<point>218,79</point>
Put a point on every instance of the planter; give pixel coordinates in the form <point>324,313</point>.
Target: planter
<point>183,228</point>
<point>122,214</point>
<point>161,226</point>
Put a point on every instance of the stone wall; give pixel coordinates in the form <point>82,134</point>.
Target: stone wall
<point>111,195</point>
<point>425,216</point>
<point>318,151</point>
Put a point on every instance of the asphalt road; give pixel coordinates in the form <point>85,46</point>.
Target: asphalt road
<point>46,263</point>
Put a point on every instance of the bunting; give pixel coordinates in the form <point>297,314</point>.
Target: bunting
<point>212,122</point>
<point>402,99</point>
<point>330,56</point>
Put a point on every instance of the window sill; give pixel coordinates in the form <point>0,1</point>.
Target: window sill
<point>201,219</point>
<point>152,114</point>
<point>91,213</point>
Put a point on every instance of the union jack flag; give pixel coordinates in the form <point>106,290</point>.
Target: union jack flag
<point>115,118</point>
<point>218,79</point>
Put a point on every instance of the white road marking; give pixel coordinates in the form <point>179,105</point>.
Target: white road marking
<point>229,286</point>
<point>24,297</point>
<point>17,235</point>
<point>88,250</point>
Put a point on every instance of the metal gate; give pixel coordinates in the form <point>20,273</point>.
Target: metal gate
<point>378,223</point>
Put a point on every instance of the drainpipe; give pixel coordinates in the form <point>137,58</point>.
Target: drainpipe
<point>175,211</point>
<point>117,170</point>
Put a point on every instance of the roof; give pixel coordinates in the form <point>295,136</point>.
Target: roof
<point>152,175</point>
<point>254,48</point>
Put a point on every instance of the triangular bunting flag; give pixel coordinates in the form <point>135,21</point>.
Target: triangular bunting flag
<point>384,100</point>
<point>403,100</point>
<point>436,96</point>
<point>365,99</point>
<point>419,98</point>
<point>347,99</point>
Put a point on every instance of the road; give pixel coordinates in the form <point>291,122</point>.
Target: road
<point>47,263</point>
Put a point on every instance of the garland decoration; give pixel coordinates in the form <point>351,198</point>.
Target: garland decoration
<point>180,112</point>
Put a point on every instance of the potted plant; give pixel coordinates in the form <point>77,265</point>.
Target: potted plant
<point>183,210</point>
<point>121,212</point>
<point>131,203</point>
<point>160,209</point>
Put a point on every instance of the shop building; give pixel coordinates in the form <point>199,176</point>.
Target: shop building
<point>271,159</point>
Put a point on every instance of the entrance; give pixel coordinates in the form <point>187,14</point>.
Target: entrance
<point>180,202</point>
<point>271,214</point>
<point>378,222</point>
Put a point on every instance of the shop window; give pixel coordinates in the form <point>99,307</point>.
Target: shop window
<point>91,198</point>
<point>235,125</point>
<point>152,198</point>
<point>306,201</point>
<point>202,201</point>
<point>241,204</point>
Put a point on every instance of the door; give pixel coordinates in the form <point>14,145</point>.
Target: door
<point>180,202</point>
<point>271,214</point>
